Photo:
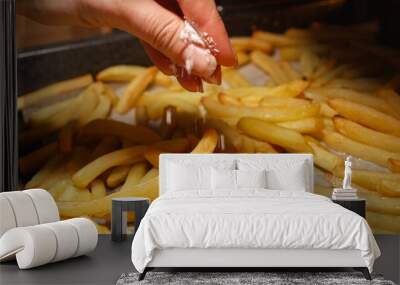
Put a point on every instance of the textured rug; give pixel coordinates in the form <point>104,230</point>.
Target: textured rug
<point>243,278</point>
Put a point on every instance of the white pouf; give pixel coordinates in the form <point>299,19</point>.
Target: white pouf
<point>46,207</point>
<point>7,218</point>
<point>87,234</point>
<point>40,244</point>
<point>67,240</point>
<point>32,246</point>
<point>23,208</point>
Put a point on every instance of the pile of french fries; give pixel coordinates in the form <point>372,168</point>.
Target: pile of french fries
<point>326,90</point>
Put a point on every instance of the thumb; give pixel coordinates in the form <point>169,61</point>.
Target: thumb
<point>170,35</point>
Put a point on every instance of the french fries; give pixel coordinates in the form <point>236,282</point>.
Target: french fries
<point>304,126</point>
<point>389,188</point>
<point>353,96</point>
<point>376,202</point>
<point>322,157</point>
<point>125,73</point>
<point>327,111</point>
<point>248,44</point>
<point>367,136</point>
<point>367,178</point>
<point>283,102</point>
<point>55,89</point>
<point>33,161</point>
<point>106,127</point>
<point>366,152</point>
<point>242,58</point>
<point>150,98</point>
<point>272,114</point>
<point>106,145</point>
<point>134,90</point>
<point>208,142</point>
<point>291,89</point>
<point>66,138</point>
<point>226,99</point>
<point>239,141</point>
<point>92,100</point>
<point>135,175</point>
<point>234,78</point>
<point>394,164</point>
<point>392,98</point>
<point>98,189</point>
<point>361,85</point>
<point>269,65</point>
<point>120,73</point>
<point>262,130</point>
<point>328,76</point>
<point>100,112</point>
<point>87,174</point>
<point>156,110</point>
<point>152,156</point>
<point>117,176</point>
<point>309,63</point>
<point>366,116</point>
<point>100,207</point>
<point>42,115</point>
<point>45,172</point>
<point>319,95</point>
<point>276,39</point>
<point>152,173</point>
<point>291,73</point>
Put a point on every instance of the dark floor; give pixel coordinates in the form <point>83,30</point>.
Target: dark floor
<point>110,260</point>
<point>102,266</point>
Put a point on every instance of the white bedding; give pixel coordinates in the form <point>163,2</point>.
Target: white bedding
<point>250,218</point>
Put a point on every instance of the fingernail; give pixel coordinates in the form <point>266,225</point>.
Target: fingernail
<point>216,77</point>
<point>200,87</point>
<point>199,61</point>
<point>236,58</point>
<point>191,83</point>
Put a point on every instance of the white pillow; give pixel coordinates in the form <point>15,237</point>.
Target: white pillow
<point>183,177</point>
<point>251,178</point>
<point>282,174</point>
<point>293,180</point>
<point>223,179</point>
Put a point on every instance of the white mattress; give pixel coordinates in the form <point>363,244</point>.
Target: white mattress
<point>250,219</point>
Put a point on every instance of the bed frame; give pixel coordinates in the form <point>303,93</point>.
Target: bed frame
<point>242,259</point>
<point>246,259</point>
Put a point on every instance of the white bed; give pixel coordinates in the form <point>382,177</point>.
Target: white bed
<point>249,227</point>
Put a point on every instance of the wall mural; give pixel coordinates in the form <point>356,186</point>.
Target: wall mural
<point>325,90</point>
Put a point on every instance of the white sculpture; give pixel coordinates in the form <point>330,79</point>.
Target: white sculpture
<point>347,173</point>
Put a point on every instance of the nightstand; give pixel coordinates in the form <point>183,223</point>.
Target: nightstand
<point>355,205</point>
<point>120,206</point>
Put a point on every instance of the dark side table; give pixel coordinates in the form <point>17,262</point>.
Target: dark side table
<point>355,205</point>
<point>120,207</point>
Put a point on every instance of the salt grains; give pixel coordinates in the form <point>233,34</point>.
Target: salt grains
<point>198,44</point>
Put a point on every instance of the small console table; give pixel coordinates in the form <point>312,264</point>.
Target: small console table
<point>120,207</point>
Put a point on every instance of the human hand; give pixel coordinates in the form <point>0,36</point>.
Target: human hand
<point>161,27</point>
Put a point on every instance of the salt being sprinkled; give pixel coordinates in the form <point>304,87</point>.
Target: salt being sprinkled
<point>190,35</point>
<point>198,50</point>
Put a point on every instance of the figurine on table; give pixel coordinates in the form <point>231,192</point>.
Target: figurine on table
<point>346,192</point>
<point>347,173</point>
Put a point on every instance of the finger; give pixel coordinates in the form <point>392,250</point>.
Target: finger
<point>190,82</point>
<point>161,29</point>
<point>216,78</point>
<point>163,63</point>
<point>205,16</point>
